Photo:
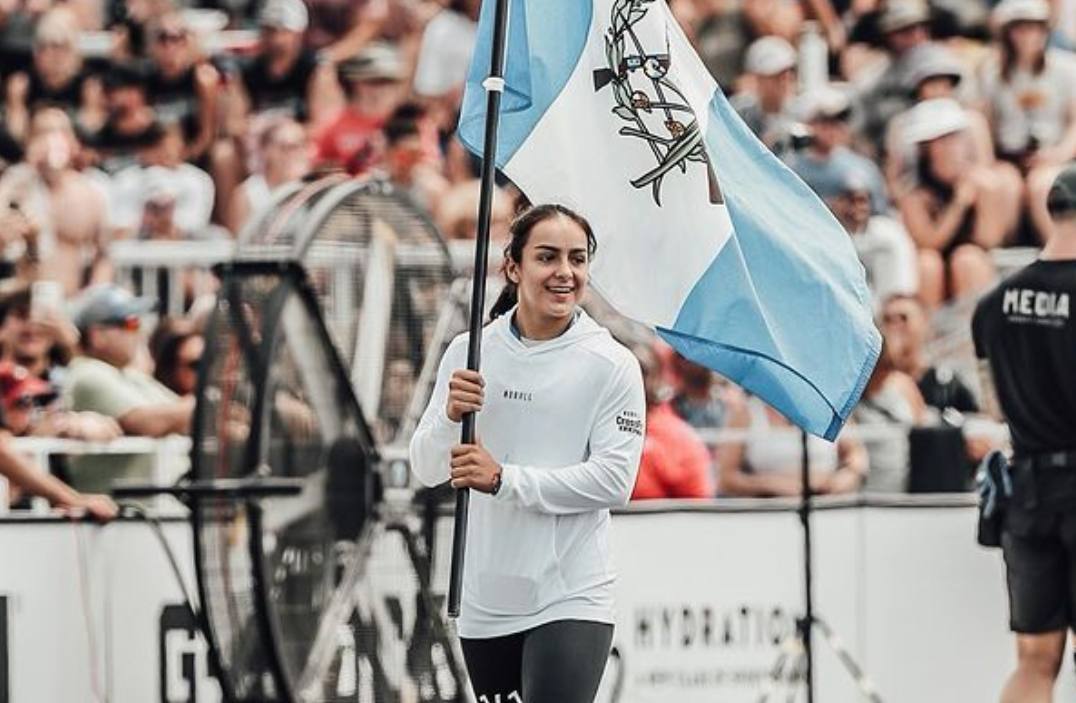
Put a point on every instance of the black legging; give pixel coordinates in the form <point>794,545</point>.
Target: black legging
<point>560,662</point>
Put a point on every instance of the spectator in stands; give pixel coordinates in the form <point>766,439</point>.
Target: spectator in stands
<point>373,79</point>
<point>177,347</point>
<point>182,86</point>
<point>132,123</point>
<point>445,53</point>
<point>56,78</point>
<point>43,343</point>
<point>160,167</point>
<point>958,211</point>
<point>408,162</point>
<point>28,409</point>
<point>883,245</point>
<point>66,210</point>
<point>1030,100</point>
<point>702,399</point>
<point>675,463</point>
<point>934,72</point>
<point>283,155</point>
<point>905,325</point>
<point>767,107</point>
<point>905,28</point>
<point>825,160</point>
<point>283,76</point>
<point>891,399</point>
<point>771,458</point>
<point>105,380</point>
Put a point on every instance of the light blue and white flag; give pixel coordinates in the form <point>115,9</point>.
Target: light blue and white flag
<point>702,232</point>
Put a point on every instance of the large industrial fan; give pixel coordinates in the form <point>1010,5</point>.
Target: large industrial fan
<point>322,345</point>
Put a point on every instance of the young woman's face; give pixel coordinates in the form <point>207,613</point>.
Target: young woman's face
<point>1028,39</point>
<point>948,157</point>
<point>552,274</point>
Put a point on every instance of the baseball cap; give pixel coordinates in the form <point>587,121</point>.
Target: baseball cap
<point>377,61</point>
<point>158,186</point>
<point>291,15</point>
<point>109,304</point>
<point>932,61</point>
<point>1009,11</point>
<point>1061,199</point>
<point>825,102</point>
<point>935,118</point>
<point>17,383</point>
<point>903,14</point>
<point>769,56</point>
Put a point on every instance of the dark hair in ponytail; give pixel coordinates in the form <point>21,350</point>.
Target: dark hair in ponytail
<point>518,234</point>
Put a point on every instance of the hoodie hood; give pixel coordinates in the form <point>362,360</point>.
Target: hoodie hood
<point>583,327</point>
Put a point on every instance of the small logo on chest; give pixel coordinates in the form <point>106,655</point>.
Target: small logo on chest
<point>526,397</point>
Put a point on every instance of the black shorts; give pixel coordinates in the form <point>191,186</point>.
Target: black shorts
<point>559,662</point>
<point>1040,562</point>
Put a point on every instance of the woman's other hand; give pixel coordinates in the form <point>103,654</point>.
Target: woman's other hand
<point>473,467</point>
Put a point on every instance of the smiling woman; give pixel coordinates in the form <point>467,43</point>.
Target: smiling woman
<point>561,428</point>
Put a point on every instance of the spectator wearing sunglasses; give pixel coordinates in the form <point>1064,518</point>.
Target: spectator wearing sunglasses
<point>105,380</point>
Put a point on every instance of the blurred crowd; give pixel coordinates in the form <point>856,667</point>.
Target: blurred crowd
<point>932,131</point>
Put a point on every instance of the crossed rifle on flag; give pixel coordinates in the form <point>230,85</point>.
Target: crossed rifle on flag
<point>684,141</point>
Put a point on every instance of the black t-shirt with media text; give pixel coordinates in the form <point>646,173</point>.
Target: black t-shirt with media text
<point>1024,327</point>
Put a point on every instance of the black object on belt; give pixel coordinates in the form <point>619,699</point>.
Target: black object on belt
<point>1050,460</point>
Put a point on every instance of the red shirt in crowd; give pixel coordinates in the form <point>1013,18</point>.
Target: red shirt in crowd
<point>675,462</point>
<point>351,141</point>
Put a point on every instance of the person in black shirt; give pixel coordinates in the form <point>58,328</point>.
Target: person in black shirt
<point>56,77</point>
<point>284,76</point>
<point>180,86</point>
<point>1025,338</point>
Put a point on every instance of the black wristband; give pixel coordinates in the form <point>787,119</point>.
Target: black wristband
<point>497,483</point>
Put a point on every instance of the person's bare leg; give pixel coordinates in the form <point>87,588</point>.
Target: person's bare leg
<point>997,209</point>
<point>1038,661</point>
<point>931,277</point>
<point>1039,181</point>
<point>972,270</point>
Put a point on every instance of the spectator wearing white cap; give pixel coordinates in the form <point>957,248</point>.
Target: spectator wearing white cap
<point>766,105</point>
<point>905,26</point>
<point>934,72</point>
<point>283,76</point>
<point>1029,94</point>
<point>883,245</point>
<point>958,211</point>
<point>827,156</point>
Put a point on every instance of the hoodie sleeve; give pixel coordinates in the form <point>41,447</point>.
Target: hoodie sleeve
<point>435,435</point>
<point>606,478</point>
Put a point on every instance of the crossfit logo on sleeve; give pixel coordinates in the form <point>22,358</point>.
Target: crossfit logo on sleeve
<point>629,421</point>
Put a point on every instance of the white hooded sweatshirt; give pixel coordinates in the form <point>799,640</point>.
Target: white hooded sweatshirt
<point>565,419</point>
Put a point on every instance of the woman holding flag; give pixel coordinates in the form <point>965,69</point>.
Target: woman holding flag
<point>560,434</point>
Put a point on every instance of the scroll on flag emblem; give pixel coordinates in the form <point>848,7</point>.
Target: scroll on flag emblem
<point>702,233</point>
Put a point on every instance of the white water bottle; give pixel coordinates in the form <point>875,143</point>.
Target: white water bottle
<point>813,58</point>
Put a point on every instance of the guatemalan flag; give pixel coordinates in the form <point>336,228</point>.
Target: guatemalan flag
<point>702,232</point>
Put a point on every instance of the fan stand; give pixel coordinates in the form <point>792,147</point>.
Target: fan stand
<point>348,598</point>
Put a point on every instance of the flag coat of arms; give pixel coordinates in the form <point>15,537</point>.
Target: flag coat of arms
<point>702,232</point>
